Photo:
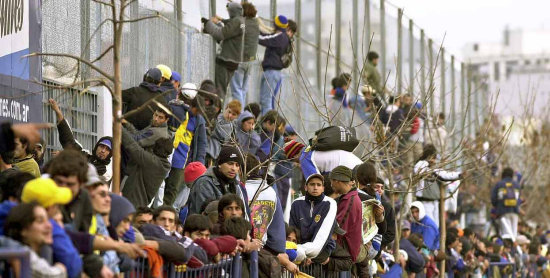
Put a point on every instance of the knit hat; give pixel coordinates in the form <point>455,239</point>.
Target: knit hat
<point>341,173</point>
<point>176,76</point>
<point>281,21</point>
<point>165,70</point>
<point>193,171</point>
<point>45,192</point>
<point>208,246</point>
<point>120,209</point>
<point>293,148</point>
<point>229,153</point>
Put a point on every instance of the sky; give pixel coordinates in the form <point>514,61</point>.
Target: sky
<point>464,21</point>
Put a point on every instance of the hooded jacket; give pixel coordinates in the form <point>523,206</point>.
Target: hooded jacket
<point>349,204</point>
<point>67,140</point>
<point>222,132</point>
<point>208,188</point>
<point>426,227</point>
<point>231,35</point>
<point>498,194</point>
<point>251,33</point>
<point>275,46</point>
<point>248,141</point>
<point>428,187</point>
<point>133,98</point>
<point>266,213</point>
<point>120,209</point>
<point>314,219</point>
<point>190,141</point>
<point>146,171</point>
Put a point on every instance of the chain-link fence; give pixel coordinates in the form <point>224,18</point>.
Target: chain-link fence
<point>333,37</point>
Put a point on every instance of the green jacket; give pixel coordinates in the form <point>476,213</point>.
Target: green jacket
<point>28,165</point>
<point>371,76</point>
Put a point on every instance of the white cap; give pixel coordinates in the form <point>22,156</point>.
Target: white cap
<point>189,90</point>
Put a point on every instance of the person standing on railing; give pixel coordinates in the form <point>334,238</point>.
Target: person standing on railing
<point>505,198</point>
<point>314,215</point>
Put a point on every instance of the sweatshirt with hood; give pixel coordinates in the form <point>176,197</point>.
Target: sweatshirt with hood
<point>230,35</point>
<point>248,141</point>
<point>426,227</point>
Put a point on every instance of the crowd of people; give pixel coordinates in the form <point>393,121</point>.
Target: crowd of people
<point>203,179</point>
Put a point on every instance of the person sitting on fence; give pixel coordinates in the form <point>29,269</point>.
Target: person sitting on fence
<point>146,170</point>
<point>218,180</point>
<point>314,214</point>
<point>248,139</point>
<point>266,214</point>
<point>28,224</point>
<point>100,156</point>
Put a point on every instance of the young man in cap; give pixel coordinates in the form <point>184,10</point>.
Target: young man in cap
<point>218,180</point>
<point>314,214</point>
<point>100,156</point>
<point>349,215</point>
<point>276,45</point>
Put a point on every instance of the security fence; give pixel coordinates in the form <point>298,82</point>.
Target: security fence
<point>333,37</point>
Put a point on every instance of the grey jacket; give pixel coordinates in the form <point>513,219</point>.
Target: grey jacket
<point>208,188</point>
<point>248,141</point>
<point>146,172</point>
<point>230,35</point>
<point>251,34</point>
<point>222,133</point>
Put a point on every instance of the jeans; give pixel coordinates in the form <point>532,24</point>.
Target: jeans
<point>271,82</point>
<point>239,82</point>
<point>222,77</point>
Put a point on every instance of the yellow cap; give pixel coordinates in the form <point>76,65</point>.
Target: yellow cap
<point>165,70</point>
<point>45,192</point>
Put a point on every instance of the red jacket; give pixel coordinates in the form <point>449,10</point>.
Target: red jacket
<point>354,222</point>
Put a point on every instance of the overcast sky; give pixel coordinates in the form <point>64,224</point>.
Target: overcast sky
<point>466,21</point>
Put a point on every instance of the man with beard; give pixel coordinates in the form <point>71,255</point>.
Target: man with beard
<point>100,156</point>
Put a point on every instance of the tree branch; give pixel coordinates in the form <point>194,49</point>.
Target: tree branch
<point>103,54</point>
<point>88,63</point>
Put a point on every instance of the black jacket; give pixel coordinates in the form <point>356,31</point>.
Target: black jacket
<point>67,140</point>
<point>275,46</point>
<point>134,97</point>
<point>389,217</point>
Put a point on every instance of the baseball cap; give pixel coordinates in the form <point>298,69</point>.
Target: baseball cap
<point>106,142</point>
<point>45,192</point>
<point>189,90</point>
<point>405,225</point>
<point>176,76</point>
<point>165,70</point>
<point>319,176</point>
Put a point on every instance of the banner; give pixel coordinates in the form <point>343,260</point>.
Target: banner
<point>20,35</point>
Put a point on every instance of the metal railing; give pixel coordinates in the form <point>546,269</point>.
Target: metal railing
<point>21,254</point>
<point>502,269</point>
<point>319,271</point>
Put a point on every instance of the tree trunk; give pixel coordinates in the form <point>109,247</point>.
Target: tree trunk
<point>442,228</point>
<point>117,101</point>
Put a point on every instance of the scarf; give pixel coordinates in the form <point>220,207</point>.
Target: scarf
<point>314,199</point>
<point>227,184</point>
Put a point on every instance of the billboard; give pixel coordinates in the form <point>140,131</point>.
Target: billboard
<point>20,34</point>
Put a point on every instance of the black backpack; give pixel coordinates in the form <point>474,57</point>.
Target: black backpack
<point>334,138</point>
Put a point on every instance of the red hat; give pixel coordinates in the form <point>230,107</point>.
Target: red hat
<point>193,171</point>
<point>226,244</point>
<point>293,148</point>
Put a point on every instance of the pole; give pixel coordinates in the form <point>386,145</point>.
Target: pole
<point>273,9</point>
<point>179,42</point>
<point>442,89</point>
<point>368,31</point>
<point>338,34</point>
<point>355,41</point>
<point>399,51</point>
<point>431,91</point>
<point>411,57</point>
<point>383,40</point>
<point>423,69</point>
<point>442,228</point>
<point>213,53</point>
<point>318,45</point>
<point>453,100</point>
<point>297,41</point>
<point>463,105</point>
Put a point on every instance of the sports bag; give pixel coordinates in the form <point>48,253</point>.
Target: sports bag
<point>334,138</point>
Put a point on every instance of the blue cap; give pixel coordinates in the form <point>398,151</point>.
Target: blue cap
<point>176,76</point>
<point>418,105</point>
<point>106,142</point>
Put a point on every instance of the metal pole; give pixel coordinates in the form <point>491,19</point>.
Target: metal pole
<point>463,105</point>
<point>213,53</point>
<point>442,89</point>
<point>383,40</point>
<point>411,57</point>
<point>476,102</point>
<point>297,41</point>
<point>368,31</point>
<point>179,42</point>
<point>423,68</point>
<point>355,41</point>
<point>338,34</point>
<point>469,82</point>
<point>84,37</point>
<point>431,91</point>
<point>318,45</point>
<point>273,9</point>
<point>399,51</point>
<point>453,100</point>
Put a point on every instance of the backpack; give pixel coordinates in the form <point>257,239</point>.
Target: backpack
<point>334,138</point>
<point>286,58</point>
<point>510,199</point>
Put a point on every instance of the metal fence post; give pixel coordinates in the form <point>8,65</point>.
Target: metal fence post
<point>411,57</point>
<point>368,31</point>
<point>453,99</point>
<point>442,95</point>
<point>431,91</point>
<point>179,42</point>
<point>338,34</point>
<point>423,68</point>
<point>84,38</point>
<point>469,82</point>
<point>213,57</point>
<point>298,41</point>
<point>318,45</point>
<point>355,41</point>
<point>463,105</point>
<point>383,40</point>
<point>399,51</point>
<point>273,4</point>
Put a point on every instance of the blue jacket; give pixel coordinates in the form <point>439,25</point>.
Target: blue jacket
<point>275,46</point>
<point>5,208</point>
<point>426,227</point>
<point>416,262</point>
<point>64,251</point>
<point>498,196</point>
<point>189,135</point>
<point>315,220</point>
